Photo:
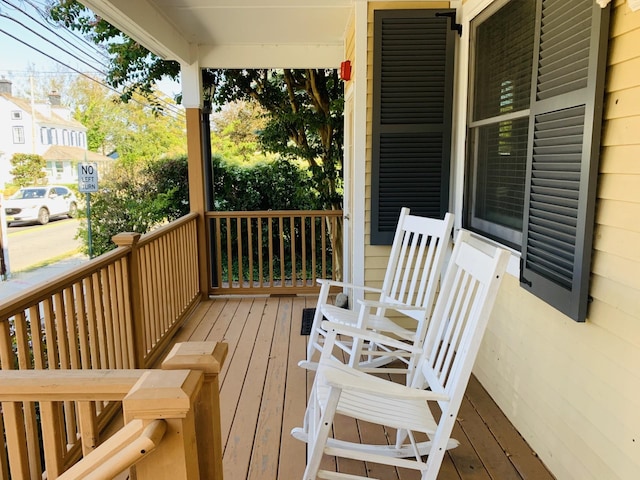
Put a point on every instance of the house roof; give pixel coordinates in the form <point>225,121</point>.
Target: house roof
<point>65,153</point>
<point>235,33</point>
<point>44,113</point>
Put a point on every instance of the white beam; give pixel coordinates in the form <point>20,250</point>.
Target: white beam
<point>271,56</point>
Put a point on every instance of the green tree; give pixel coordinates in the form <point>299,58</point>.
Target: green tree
<point>28,169</point>
<point>234,132</point>
<point>136,130</point>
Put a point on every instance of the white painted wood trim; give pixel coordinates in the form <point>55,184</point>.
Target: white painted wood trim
<point>191,80</point>
<point>358,209</point>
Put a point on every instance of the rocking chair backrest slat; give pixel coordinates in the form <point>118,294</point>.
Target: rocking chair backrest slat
<point>416,246</point>
<point>460,313</point>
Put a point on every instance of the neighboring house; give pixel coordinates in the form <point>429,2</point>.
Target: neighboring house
<point>499,124</point>
<point>46,129</point>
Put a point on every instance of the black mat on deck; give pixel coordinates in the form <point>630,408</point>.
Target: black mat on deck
<point>307,320</point>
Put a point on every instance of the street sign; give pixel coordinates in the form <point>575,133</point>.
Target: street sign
<point>87,177</point>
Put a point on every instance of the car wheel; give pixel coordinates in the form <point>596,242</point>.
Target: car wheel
<point>73,210</point>
<point>43,216</point>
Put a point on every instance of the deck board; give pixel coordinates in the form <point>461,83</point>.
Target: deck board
<point>263,396</point>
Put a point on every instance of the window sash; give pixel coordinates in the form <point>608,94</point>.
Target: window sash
<point>18,135</point>
<point>509,88</point>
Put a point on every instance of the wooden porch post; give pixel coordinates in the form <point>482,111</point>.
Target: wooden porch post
<point>207,357</point>
<point>169,395</point>
<point>192,100</point>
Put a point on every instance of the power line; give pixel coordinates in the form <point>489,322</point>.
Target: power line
<point>164,104</point>
<point>50,42</point>
<point>61,37</point>
<point>177,112</point>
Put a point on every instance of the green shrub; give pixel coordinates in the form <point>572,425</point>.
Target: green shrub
<point>136,198</point>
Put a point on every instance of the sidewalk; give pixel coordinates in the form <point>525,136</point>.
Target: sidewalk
<point>22,280</point>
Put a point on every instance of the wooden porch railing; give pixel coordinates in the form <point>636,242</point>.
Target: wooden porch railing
<point>170,417</point>
<point>272,251</point>
<point>118,311</point>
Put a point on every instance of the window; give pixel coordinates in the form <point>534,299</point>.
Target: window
<point>45,136</point>
<point>16,115</point>
<point>498,129</point>
<point>535,115</point>
<point>18,134</point>
<point>412,108</point>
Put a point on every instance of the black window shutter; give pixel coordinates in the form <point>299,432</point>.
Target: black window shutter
<point>411,124</point>
<point>564,149</point>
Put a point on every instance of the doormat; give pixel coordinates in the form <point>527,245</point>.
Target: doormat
<point>307,320</point>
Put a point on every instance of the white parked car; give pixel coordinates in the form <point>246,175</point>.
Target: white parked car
<point>38,204</point>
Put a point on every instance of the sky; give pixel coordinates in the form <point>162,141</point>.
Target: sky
<point>30,44</point>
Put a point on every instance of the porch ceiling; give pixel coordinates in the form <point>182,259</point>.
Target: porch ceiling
<point>235,33</point>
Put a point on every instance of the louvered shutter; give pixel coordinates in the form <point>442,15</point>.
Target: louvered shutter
<point>412,103</point>
<point>564,146</point>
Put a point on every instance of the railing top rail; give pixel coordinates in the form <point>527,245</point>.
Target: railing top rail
<point>30,296</point>
<point>126,447</point>
<point>163,230</point>
<point>276,213</point>
<point>33,295</point>
<point>61,385</point>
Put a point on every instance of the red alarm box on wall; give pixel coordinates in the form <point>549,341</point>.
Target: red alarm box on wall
<point>345,70</point>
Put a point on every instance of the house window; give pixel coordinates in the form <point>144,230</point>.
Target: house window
<point>16,115</point>
<point>18,134</point>
<point>45,139</point>
<point>535,117</point>
<point>503,40</point>
<point>53,135</point>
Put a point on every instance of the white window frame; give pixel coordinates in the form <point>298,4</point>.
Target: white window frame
<point>18,134</point>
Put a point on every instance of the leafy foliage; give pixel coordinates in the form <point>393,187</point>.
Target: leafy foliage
<point>136,131</point>
<point>305,117</point>
<point>275,185</point>
<point>235,132</point>
<point>133,68</point>
<point>28,169</point>
<point>136,198</point>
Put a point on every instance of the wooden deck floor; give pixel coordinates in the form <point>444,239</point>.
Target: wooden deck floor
<point>263,396</point>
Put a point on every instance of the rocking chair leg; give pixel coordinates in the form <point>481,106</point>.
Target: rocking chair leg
<point>318,437</point>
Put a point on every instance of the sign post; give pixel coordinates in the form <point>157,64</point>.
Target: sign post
<point>87,183</point>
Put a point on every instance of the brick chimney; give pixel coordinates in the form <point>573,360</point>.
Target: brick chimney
<point>54,99</point>
<point>5,86</point>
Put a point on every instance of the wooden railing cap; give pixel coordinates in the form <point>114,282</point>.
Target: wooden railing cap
<point>163,394</point>
<point>126,239</point>
<point>207,357</point>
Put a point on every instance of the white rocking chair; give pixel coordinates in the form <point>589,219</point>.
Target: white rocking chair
<point>444,366</point>
<point>409,287</point>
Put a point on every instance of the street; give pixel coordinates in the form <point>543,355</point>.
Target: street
<point>37,244</point>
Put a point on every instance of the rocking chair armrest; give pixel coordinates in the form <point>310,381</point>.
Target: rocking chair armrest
<point>346,378</point>
<point>336,283</point>
<point>370,336</point>
<point>392,305</point>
